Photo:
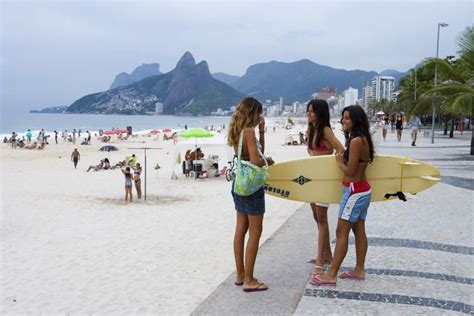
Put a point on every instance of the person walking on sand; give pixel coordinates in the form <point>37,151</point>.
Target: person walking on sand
<point>74,136</point>
<point>56,136</point>
<point>321,141</point>
<point>136,178</point>
<point>355,200</point>
<point>415,126</point>
<point>249,209</point>
<point>128,183</point>
<point>75,157</point>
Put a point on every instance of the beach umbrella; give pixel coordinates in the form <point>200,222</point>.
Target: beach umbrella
<point>154,131</point>
<point>167,130</point>
<point>195,133</point>
<point>108,148</point>
<point>108,132</point>
<point>121,131</point>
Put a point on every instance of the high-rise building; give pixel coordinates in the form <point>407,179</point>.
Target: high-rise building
<point>378,88</point>
<point>350,96</point>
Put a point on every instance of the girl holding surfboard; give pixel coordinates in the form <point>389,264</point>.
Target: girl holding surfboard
<point>321,141</point>
<point>356,197</point>
<point>249,209</point>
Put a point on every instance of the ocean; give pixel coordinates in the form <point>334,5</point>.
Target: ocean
<point>21,122</point>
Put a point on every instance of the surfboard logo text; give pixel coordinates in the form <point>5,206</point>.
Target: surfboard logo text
<point>283,193</point>
<point>301,180</point>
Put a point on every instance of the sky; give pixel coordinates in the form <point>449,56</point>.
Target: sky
<point>54,52</point>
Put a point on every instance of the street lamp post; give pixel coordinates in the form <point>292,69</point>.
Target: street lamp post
<point>435,83</point>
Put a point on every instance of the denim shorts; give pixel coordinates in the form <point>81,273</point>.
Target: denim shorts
<point>253,204</point>
<point>353,206</point>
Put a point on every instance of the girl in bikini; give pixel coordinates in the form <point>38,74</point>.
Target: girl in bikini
<point>356,197</point>
<point>128,183</point>
<point>137,180</point>
<point>321,141</point>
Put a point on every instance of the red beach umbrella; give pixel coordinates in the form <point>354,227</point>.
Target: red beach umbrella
<point>155,131</point>
<point>121,131</point>
<point>108,132</point>
<point>167,130</point>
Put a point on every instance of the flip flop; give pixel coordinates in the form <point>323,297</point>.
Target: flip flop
<point>316,281</point>
<point>242,283</point>
<point>350,276</point>
<point>258,288</point>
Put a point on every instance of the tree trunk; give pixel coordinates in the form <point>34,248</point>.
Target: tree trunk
<point>472,143</point>
<point>445,125</point>
<point>451,132</point>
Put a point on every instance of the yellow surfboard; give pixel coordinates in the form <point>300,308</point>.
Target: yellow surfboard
<point>319,179</point>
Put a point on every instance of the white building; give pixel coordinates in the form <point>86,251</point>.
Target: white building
<point>158,108</point>
<point>350,96</point>
<point>379,87</point>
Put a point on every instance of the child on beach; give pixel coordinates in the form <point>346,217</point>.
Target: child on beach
<point>356,197</point>
<point>321,141</point>
<point>128,183</point>
<point>249,209</point>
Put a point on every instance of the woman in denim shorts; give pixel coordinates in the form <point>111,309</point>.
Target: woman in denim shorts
<point>356,197</point>
<point>249,209</point>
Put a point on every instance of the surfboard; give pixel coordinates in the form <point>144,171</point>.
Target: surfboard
<point>319,178</point>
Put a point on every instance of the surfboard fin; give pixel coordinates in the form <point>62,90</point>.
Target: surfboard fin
<point>400,195</point>
<point>430,178</point>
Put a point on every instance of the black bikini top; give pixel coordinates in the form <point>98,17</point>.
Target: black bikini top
<point>346,154</point>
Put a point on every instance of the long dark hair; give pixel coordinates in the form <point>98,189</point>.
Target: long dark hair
<point>321,109</point>
<point>360,126</point>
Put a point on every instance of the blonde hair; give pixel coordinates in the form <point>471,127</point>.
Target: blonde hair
<point>246,115</point>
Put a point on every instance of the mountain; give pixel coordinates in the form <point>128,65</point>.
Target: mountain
<point>51,109</point>
<point>141,72</point>
<point>297,81</point>
<point>188,89</point>
<point>226,78</point>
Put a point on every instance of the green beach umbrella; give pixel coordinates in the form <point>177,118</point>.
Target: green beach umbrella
<point>195,133</point>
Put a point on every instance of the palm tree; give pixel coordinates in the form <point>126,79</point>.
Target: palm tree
<point>457,79</point>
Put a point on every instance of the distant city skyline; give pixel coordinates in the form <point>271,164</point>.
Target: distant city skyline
<point>56,52</point>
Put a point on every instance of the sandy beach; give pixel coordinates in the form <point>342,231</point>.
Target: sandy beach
<point>70,243</point>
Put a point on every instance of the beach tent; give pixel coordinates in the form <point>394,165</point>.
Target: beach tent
<point>218,143</point>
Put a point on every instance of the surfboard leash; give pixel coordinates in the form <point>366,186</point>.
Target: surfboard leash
<point>399,194</point>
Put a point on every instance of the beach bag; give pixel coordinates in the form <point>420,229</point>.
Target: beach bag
<point>249,178</point>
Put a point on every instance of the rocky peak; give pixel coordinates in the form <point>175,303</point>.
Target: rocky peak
<point>185,62</point>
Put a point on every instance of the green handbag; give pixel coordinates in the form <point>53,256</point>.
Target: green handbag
<point>249,178</point>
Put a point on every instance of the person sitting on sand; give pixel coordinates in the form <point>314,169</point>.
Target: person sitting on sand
<point>197,154</point>
<point>31,146</point>
<point>85,142</point>
<point>41,146</point>
<point>97,167</point>
<point>106,164</point>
